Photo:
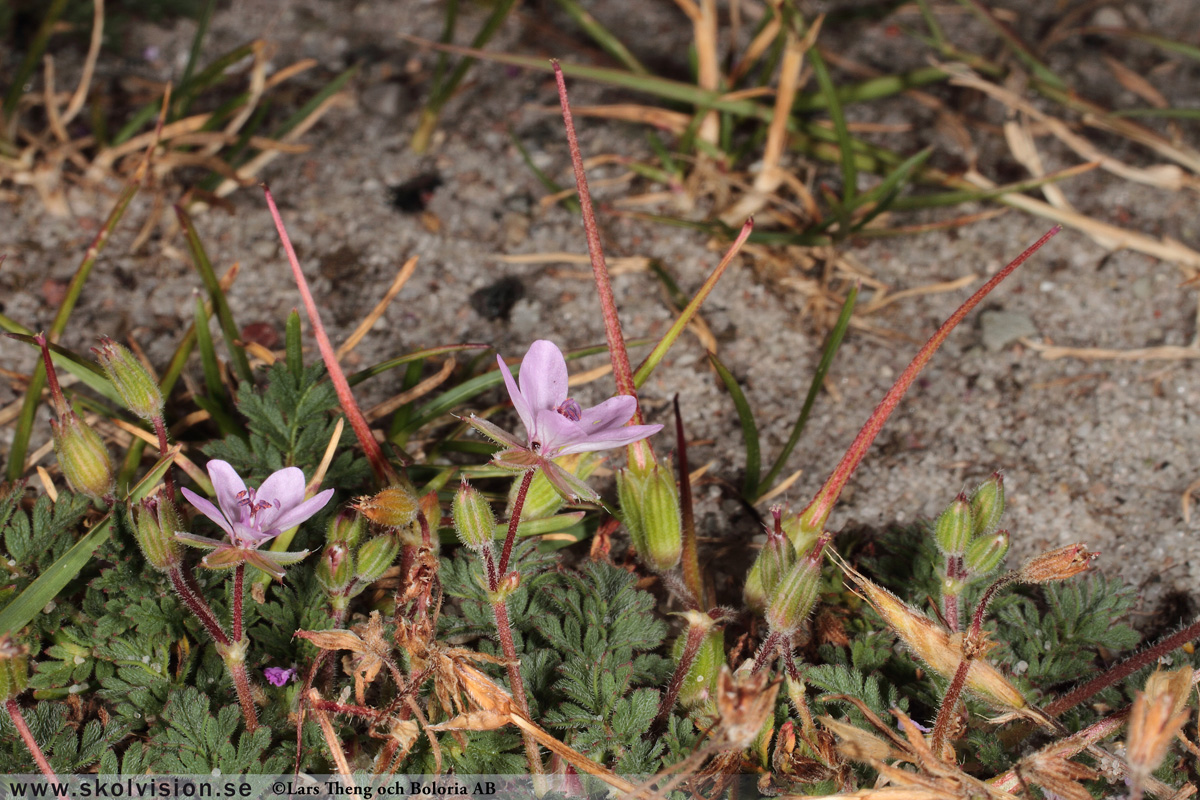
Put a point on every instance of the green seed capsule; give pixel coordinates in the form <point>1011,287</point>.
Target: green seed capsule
<point>631,492</point>
<point>797,592</point>
<point>986,553</point>
<point>346,528</point>
<point>130,378</point>
<point>954,528</point>
<point>375,557</point>
<point>473,520</point>
<point>82,456</point>
<point>661,521</point>
<point>155,524</point>
<point>335,569</point>
<point>987,505</point>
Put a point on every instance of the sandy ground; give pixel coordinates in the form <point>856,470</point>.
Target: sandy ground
<point>1099,452</point>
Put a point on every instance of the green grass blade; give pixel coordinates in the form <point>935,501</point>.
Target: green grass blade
<point>659,352</point>
<point>958,197</point>
<point>1158,113</point>
<point>832,343</point>
<point>749,428</point>
<point>33,394</point>
<point>334,86</point>
<point>569,202</point>
<point>412,376</point>
<point>883,196</point>
<point>194,55</point>
<point>293,347</point>
<point>33,57</point>
<point>29,603</point>
<point>602,36</point>
<point>237,354</point>
<point>445,90</point>
<point>89,373</point>
<point>845,144</point>
<point>1018,47</point>
<point>419,355</point>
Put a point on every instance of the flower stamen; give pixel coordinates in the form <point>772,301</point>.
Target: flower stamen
<point>570,409</point>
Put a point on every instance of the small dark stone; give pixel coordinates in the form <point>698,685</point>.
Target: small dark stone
<point>496,300</point>
<point>413,195</point>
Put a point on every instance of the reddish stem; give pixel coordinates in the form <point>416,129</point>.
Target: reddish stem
<point>56,393</point>
<point>1123,670</point>
<point>164,444</point>
<point>516,682</point>
<point>18,720</point>
<point>384,473</point>
<point>768,649</point>
<point>239,587</point>
<point>195,603</point>
<point>691,554</point>
<point>814,516</point>
<point>241,681</point>
<point>514,521</point>
<point>691,647</point>
<point>622,371</point>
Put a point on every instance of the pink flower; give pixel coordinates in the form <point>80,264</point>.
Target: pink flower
<point>555,424</point>
<point>252,516</point>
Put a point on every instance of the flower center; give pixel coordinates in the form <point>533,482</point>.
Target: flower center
<point>249,501</point>
<point>570,409</point>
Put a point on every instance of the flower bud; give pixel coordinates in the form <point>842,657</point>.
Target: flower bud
<point>701,680</point>
<point>394,507</point>
<point>986,553</point>
<point>473,520</point>
<point>14,668</point>
<point>987,505</point>
<point>796,593</point>
<point>954,527</point>
<point>542,499</point>
<point>507,585</point>
<point>1057,565</point>
<point>131,379</point>
<point>773,562</point>
<point>376,556</point>
<point>345,528</point>
<point>802,537</point>
<point>335,569</point>
<point>661,521</point>
<point>155,524</point>
<point>82,456</point>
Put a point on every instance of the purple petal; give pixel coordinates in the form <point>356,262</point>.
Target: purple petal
<point>514,394</point>
<point>606,440</point>
<point>248,536</point>
<point>278,676</point>
<point>291,517</point>
<point>543,376</point>
<point>208,509</point>
<point>283,489</point>
<point>554,431</point>
<point>227,484</point>
<point>612,413</point>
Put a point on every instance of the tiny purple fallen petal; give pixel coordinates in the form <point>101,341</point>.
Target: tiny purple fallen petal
<point>278,676</point>
<point>227,485</point>
<point>281,490</point>
<point>543,376</point>
<point>617,437</point>
<point>291,517</point>
<point>208,509</point>
<point>514,394</point>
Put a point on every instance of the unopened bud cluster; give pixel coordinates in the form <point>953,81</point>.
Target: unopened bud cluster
<point>348,565</point>
<point>155,522</point>
<point>131,379</point>
<point>967,534</point>
<point>784,581</point>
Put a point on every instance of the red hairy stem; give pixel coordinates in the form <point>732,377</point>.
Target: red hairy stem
<point>622,371</point>
<point>239,588</point>
<point>195,603</point>
<point>691,647</point>
<point>514,521</point>
<point>18,720</point>
<point>241,681</point>
<point>817,512</point>
<point>384,473</point>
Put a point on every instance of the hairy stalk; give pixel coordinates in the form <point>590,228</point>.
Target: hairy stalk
<point>970,649</point>
<point>239,589</point>
<point>384,473</point>
<point>196,604</point>
<point>1123,670</point>
<point>691,646</point>
<point>160,428</point>
<point>18,720</point>
<point>951,601</point>
<point>511,537</point>
<point>504,625</point>
<point>817,512</point>
<point>331,737</point>
<point>241,681</point>
<point>767,651</point>
<point>690,561</point>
